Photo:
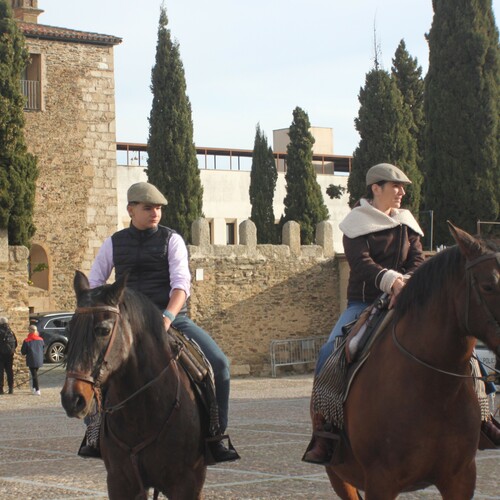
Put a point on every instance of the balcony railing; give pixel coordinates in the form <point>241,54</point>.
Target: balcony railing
<point>31,90</point>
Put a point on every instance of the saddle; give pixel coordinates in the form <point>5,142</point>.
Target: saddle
<point>200,372</point>
<point>361,333</point>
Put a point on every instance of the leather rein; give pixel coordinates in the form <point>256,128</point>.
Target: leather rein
<point>471,284</point>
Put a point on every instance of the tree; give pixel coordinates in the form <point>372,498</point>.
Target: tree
<point>462,110</point>
<point>408,77</point>
<point>263,177</point>
<point>18,168</point>
<point>335,191</point>
<point>384,125</point>
<point>304,200</point>
<point>172,163</point>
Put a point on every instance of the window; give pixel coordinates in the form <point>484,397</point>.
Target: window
<point>31,83</point>
<point>230,233</point>
<point>211,230</point>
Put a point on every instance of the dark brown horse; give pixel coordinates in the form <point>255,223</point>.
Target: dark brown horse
<point>412,417</point>
<point>118,355</point>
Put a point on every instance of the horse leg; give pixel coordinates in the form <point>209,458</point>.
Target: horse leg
<point>344,490</point>
<point>461,486</point>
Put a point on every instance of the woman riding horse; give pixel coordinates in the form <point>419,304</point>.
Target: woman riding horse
<point>383,248</point>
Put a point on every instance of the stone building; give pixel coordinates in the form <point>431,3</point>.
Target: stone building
<point>70,127</point>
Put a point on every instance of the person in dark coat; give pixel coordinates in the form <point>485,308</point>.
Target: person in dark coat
<point>32,348</point>
<point>8,345</point>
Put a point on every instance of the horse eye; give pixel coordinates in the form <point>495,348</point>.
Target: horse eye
<point>103,329</point>
<point>487,288</point>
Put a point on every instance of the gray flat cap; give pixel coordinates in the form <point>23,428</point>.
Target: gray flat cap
<point>143,192</point>
<point>386,172</point>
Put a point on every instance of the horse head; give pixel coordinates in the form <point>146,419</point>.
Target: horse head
<point>482,277</point>
<point>99,342</point>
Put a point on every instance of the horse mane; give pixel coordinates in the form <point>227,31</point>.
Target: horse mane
<point>143,317</point>
<point>435,275</point>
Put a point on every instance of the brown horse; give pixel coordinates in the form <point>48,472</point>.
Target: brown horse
<point>411,416</point>
<point>118,355</point>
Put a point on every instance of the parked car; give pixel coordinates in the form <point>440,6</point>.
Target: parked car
<point>52,327</point>
<point>487,358</point>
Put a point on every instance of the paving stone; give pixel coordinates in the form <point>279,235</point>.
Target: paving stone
<point>269,425</point>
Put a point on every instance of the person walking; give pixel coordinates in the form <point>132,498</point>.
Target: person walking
<point>155,258</point>
<point>8,346</point>
<point>32,348</point>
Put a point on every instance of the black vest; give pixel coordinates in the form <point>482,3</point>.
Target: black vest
<point>144,255</point>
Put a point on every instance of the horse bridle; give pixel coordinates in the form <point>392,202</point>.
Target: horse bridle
<point>102,363</point>
<point>471,283</point>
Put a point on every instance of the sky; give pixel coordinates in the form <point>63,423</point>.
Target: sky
<point>253,62</point>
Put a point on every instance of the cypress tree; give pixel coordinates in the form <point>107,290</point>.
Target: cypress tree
<point>384,125</point>
<point>263,177</point>
<point>408,77</point>
<point>462,109</point>
<point>18,168</point>
<point>304,200</point>
<point>172,163</point>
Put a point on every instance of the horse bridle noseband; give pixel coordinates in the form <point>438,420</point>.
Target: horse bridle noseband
<point>102,364</point>
<point>471,283</point>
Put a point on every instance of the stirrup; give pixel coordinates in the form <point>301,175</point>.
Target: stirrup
<point>334,445</point>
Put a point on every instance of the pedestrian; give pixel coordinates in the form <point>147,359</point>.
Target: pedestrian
<point>8,345</point>
<point>155,258</point>
<point>32,348</point>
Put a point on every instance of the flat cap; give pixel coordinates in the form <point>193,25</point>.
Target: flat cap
<point>386,172</point>
<point>143,192</point>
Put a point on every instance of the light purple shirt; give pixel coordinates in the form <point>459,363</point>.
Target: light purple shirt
<point>180,277</point>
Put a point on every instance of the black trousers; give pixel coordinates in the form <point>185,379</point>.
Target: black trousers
<point>34,378</point>
<point>6,363</point>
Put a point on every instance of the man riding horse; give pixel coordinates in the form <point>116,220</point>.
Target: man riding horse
<point>155,258</point>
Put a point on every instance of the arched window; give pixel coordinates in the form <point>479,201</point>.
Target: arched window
<point>39,267</point>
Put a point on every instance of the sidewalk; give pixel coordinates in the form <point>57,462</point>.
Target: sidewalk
<point>269,426</point>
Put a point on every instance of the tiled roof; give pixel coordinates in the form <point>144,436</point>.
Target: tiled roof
<point>33,30</point>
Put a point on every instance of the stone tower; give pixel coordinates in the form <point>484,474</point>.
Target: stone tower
<point>70,127</point>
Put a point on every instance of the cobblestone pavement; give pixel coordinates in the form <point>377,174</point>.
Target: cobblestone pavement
<point>269,425</point>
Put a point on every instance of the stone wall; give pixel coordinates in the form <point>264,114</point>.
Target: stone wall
<point>247,295</point>
<point>73,136</point>
<point>14,297</point>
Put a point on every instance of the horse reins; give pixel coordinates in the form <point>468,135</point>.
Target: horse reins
<point>470,283</point>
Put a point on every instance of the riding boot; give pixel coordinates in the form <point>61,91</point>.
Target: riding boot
<point>219,452</point>
<point>321,447</point>
<point>492,431</point>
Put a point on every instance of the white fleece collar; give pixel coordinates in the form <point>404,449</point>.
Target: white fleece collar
<point>366,219</point>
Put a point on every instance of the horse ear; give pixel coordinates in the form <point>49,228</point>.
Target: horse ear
<point>80,283</point>
<point>470,247</point>
<point>117,288</point>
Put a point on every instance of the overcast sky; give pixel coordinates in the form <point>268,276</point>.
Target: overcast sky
<point>249,62</point>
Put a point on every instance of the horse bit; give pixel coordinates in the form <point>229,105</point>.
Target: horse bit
<point>471,283</point>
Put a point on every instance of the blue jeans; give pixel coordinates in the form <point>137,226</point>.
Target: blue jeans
<point>352,312</point>
<point>217,358</point>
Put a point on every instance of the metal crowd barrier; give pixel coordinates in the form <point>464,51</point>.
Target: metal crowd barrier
<point>295,351</point>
